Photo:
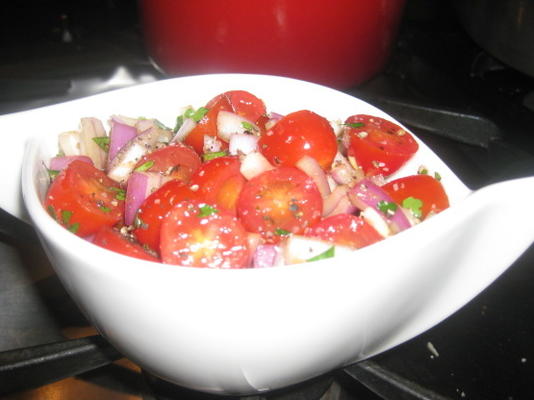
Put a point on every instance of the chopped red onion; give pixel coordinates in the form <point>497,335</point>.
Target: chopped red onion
<point>187,126</point>
<point>229,123</point>
<point>59,163</point>
<point>140,186</point>
<point>366,194</point>
<point>311,167</point>
<point>119,135</point>
<point>243,143</point>
<point>254,164</point>
<point>266,256</point>
<point>91,128</point>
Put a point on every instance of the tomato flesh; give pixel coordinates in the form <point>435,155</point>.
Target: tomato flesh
<point>190,236</point>
<point>219,181</point>
<point>346,230</point>
<point>423,187</point>
<point>83,199</point>
<point>176,161</point>
<point>113,240</point>
<point>379,146</point>
<point>278,202</point>
<point>155,208</point>
<point>298,134</point>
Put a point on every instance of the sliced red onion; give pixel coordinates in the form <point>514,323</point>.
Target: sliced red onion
<point>254,164</point>
<point>311,167</point>
<point>229,123</point>
<point>144,125</point>
<point>91,128</point>
<point>266,256</point>
<point>211,144</point>
<point>344,206</point>
<point>126,159</point>
<point>69,143</point>
<point>366,194</point>
<point>59,163</point>
<point>187,126</point>
<point>243,143</point>
<point>338,202</point>
<point>140,185</point>
<point>121,119</point>
<point>119,135</point>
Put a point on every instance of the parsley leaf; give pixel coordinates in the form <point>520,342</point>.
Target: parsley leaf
<point>354,124</point>
<point>102,142</point>
<point>281,232</point>
<point>52,173</point>
<point>206,210</point>
<point>248,126</point>
<point>120,193</point>
<point>145,166</point>
<point>437,176</point>
<point>211,156</point>
<point>387,207</point>
<point>325,254</point>
<point>414,205</point>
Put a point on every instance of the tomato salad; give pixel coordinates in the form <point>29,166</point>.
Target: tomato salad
<point>233,185</point>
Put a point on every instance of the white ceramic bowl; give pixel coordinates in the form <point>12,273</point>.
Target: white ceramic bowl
<point>244,331</point>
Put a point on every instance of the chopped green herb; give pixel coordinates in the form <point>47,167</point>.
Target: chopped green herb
<point>414,205</point>
<point>74,227</point>
<point>145,166</point>
<point>206,210</point>
<point>179,123</point>
<point>120,193</point>
<point>354,124</point>
<point>325,254</point>
<point>161,125</point>
<point>104,208</point>
<point>65,216</point>
<point>281,232</point>
<point>138,223</point>
<point>52,173</point>
<point>195,115</point>
<point>102,142</point>
<point>437,176</point>
<point>248,126</point>
<point>211,156</point>
<point>51,211</point>
<point>422,171</point>
<point>387,207</point>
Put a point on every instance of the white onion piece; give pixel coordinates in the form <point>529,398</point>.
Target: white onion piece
<point>119,135</point>
<point>342,172</point>
<point>311,167</point>
<point>140,185</point>
<point>91,128</point>
<point>59,163</point>
<point>144,125</point>
<point>229,123</point>
<point>123,164</point>
<point>266,256</point>
<point>254,164</point>
<point>211,144</point>
<point>344,206</point>
<point>367,194</point>
<point>187,126</point>
<point>331,201</point>
<point>69,143</point>
<point>243,143</point>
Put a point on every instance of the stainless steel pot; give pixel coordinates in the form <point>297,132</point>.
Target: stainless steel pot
<point>504,28</point>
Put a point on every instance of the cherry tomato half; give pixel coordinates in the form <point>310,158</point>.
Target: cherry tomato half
<point>379,146</point>
<point>219,181</point>
<point>113,240</point>
<point>199,235</point>
<point>83,199</point>
<point>346,230</point>
<point>176,161</point>
<point>155,208</point>
<point>278,202</point>
<point>243,103</point>
<point>421,187</point>
<point>298,134</point>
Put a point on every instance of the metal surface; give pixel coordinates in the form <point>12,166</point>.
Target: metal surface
<point>505,28</point>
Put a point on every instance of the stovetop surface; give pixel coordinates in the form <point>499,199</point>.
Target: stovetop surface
<point>475,113</point>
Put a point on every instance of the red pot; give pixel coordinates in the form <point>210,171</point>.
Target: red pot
<point>338,43</point>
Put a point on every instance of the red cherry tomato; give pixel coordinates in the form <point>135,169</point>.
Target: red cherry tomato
<point>346,230</point>
<point>296,135</point>
<point>155,208</point>
<point>83,199</point>
<point>422,187</point>
<point>243,103</point>
<point>219,181</point>
<point>207,125</point>
<point>278,202</point>
<point>113,240</point>
<point>198,235</point>
<point>176,161</point>
<point>379,146</point>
